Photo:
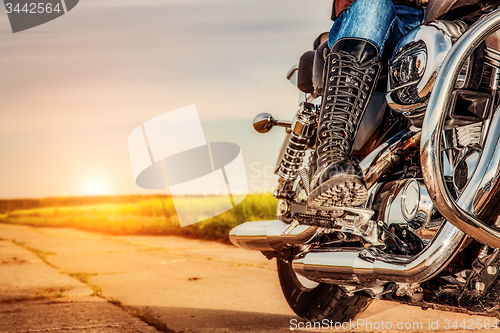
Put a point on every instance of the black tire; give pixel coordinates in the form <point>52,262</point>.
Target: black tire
<point>323,301</point>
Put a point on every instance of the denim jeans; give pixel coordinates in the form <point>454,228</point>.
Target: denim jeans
<point>377,21</point>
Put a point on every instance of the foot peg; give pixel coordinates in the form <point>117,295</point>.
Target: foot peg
<point>336,217</point>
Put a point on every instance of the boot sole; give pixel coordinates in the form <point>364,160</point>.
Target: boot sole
<point>339,191</point>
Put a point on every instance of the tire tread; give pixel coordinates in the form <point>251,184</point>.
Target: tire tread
<point>326,301</point>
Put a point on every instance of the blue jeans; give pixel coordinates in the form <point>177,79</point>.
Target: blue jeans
<point>377,21</point>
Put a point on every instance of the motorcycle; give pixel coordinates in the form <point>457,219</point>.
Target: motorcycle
<point>428,234</point>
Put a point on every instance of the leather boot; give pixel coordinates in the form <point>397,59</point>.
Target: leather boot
<point>352,70</point>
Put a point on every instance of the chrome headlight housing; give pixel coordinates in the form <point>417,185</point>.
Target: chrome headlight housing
<point>413,68</point>
<point>409,65</point>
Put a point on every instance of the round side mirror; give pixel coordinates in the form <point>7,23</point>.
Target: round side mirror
<point>263,122</point>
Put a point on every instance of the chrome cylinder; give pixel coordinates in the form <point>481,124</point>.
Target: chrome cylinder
<point>387,155</point>
<point>461,213</point>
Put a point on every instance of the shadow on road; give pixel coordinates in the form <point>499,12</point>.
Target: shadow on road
<point>172,319</point>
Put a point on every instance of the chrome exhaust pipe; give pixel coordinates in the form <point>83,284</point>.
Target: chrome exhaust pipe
<point>270,235</point>
<point>370,266</point>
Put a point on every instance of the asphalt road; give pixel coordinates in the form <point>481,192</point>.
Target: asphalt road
<point>183,285</point>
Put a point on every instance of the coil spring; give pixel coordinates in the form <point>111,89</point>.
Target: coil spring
<point>293,158</point>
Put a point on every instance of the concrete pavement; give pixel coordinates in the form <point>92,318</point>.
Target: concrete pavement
<point>182,285</point>
<point>35,297</point>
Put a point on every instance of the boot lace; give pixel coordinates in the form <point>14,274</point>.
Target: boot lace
<point>348,89</point>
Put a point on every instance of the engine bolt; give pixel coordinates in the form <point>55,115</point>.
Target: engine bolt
<point>283,207</point>
<point>480,286</point>
<point>491,270</point>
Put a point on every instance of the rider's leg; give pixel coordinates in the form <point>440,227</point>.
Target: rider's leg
<point>351,73</point>
<point>378,21</point>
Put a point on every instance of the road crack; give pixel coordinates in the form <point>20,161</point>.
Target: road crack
<point>74,328</point>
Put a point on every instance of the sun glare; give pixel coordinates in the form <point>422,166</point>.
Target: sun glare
<point>95,186</point>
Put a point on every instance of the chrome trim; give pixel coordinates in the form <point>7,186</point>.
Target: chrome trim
<point>458,213</point>
<point>492,57</point>
<point>487,173</point>
<point>422,206</point>
<point>469,157</point>
<point>292,71</point>
<point>411,195</point>
<point>264,122</point>
<point>388,155</point>
<point>270,235</point>
<point>453,29</point>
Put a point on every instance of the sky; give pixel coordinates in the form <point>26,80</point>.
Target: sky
<point>73,89</point>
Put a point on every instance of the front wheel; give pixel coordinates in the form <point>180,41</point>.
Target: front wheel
<point>317,301</point>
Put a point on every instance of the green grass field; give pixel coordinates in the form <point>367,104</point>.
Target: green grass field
<point>135,215</point>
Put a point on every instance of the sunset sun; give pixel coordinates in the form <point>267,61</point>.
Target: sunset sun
<point>95,185</point>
